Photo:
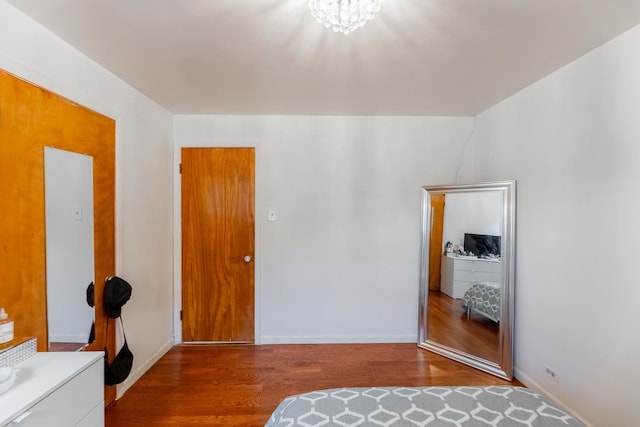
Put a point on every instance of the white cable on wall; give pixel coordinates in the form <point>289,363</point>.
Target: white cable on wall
<point>464,148</point>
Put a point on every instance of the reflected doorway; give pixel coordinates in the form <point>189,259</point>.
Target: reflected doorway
<point>69,248</point>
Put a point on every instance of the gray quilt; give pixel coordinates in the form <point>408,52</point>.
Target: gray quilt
<point>498,406</point>
<point>484,298</point>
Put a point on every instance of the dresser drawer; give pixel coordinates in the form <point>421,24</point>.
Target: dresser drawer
<point>458,274</point>
<point>487,276</point>
<point>69,404</point>
<point>95,418</point>
<point>464,275</point>
<point>470,265</point>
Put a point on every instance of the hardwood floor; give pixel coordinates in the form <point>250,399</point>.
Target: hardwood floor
<point>66,346</point>
<point>240,385</point>
<point>449,324</point>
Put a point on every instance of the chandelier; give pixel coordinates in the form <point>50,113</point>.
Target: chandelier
<point>344,15</point>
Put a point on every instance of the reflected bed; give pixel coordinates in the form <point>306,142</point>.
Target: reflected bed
<point>483,298</point>
<point>421,406</point>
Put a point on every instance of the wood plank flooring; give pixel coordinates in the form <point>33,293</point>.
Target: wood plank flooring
<point>66,346</point>
<point>240,385</point>
<point>449,324</point>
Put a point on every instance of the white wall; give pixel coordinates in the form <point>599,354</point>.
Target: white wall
<point>341,262</point>
<point>478,213</point>
<point>68,195</point>
<point>144,157</point>
<point>572,143</point>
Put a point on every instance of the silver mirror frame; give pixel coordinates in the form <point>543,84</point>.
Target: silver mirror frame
<point>503,368</point>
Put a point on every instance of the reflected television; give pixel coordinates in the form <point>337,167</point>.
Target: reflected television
<point>482,244</point>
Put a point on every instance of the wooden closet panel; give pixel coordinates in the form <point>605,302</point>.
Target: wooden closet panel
<point>30,119</point>
<point>435,245</point>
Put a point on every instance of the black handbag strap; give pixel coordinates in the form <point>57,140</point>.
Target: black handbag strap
<point>124,335</point>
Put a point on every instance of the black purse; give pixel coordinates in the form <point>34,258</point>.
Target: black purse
<point>119,369</point>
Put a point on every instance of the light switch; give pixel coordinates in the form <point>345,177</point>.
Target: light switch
<point>272,214</point>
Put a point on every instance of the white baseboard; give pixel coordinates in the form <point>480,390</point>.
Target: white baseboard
<point>140,370</point>
<point>346,339</point>
<point>530,383</point>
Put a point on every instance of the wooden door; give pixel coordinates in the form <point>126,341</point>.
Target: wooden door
<point>218,186</point>
<point>435,242</point>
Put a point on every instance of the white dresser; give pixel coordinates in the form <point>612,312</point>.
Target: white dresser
<point>457,274</point>
<point>56,389</point>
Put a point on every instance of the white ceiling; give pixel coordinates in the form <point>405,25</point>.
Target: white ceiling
<point>416,57</point>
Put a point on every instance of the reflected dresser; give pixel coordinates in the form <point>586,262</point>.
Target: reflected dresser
<point>459,273</point>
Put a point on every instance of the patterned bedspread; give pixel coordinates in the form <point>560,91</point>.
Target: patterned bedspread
<point>484,298</point>
<point>499,406</point>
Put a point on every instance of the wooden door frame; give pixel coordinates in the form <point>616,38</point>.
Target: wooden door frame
<point>258,221</point>
<point>64,124</point>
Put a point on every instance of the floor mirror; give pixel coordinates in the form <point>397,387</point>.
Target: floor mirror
<point>467,274</point>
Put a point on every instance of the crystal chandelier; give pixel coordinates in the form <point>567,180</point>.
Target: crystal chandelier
<point>343,15</point>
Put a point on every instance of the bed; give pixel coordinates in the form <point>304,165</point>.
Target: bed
<point>483,298</point>
<point>499,406</point>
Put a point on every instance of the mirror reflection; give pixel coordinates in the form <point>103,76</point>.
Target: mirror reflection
<point>69,248</point>
<point>466,283</point>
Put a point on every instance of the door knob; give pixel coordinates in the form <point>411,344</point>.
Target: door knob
<point>247,258</point>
